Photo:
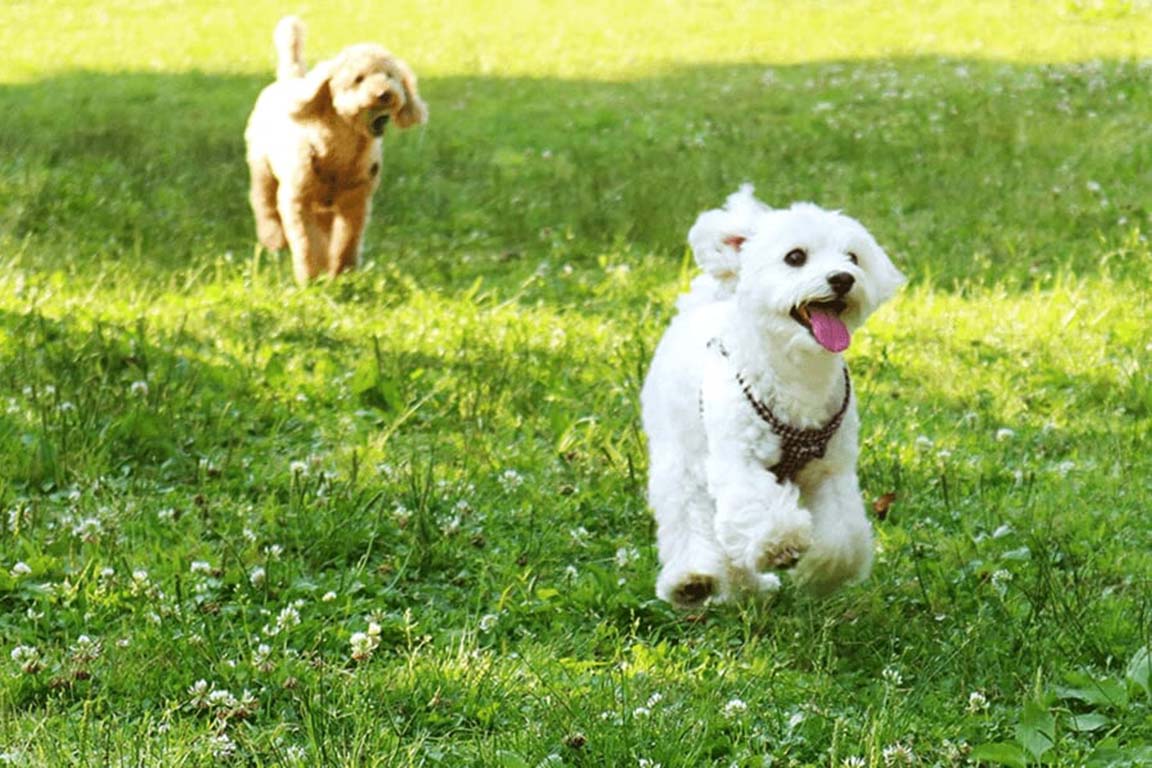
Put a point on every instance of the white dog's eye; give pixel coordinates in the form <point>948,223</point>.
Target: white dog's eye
<point>853,258</point>
<point>795,257</point>
<point>359,79</point>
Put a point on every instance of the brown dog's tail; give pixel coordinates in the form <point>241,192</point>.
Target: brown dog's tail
<point>289,40</point>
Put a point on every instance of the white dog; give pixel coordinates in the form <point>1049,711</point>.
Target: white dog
<point>314,148</point>
<point>748,407</point>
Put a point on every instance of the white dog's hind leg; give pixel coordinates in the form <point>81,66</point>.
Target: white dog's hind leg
<point>692,563</point>
<point>842,536</point>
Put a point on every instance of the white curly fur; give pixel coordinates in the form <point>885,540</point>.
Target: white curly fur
<point>725,525</point>
<point>314,148</point>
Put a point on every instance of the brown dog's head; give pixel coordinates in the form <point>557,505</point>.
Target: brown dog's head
<point>366,87</point>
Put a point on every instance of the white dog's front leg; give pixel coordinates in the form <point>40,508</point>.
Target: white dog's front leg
<point>759,521</point>
<point>842,536</point>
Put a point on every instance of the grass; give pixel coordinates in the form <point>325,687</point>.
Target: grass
<point>398,519</point>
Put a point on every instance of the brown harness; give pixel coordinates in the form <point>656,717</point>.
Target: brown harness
<point>797,446</point>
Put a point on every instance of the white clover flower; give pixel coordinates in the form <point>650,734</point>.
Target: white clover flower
<point>646,763</point>
<point>140,576</point>
<point>625,556</point>
<point>898,754</point>
<point>571,573</point>
<point>854,762</point>
<point>295,753</point>
<point>452,527</point>
<point>221,698</point>
<point>139,388</point>
<point>28,657</point>
<point>273,551</point>
<point>85,649</point>
<point>257,576</point>
<point>923,441</point>
<point>892,676</point>
<point>67,406</point>
<point>579,536</point>
<point>262,657</point>
<point>977,702</point>
<point>248,702</point>
<point>510,480</point>
<point>488,621</point>
<point>221,746</point>
<point>298,467</point>
<point>735,708</point>
<point>328,596</point>
<point>641,712</point>
<point>1000,580</point>
<point>198,694</point>
<point>168,514</point>
<point>363,645</point>
<point>1093,187</point>
<point>20,569</point>
<point>201,567</point>
<point>655,699</point>
<point>289,617</point>
<point>88,529</point>
<point>1004,433</point>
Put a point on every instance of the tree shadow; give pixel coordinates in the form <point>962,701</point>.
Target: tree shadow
<point>963,169</point>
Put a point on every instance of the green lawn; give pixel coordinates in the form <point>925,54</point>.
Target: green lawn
<point>399,519</point>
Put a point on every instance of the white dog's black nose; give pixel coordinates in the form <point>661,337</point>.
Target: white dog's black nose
<point>841,282</point>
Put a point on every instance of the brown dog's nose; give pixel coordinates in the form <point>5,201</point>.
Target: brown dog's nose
<point>385,98</point>
<point>841,282</point>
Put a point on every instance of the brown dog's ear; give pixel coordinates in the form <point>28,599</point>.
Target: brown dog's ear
<point>414,111</point>
<point>313,92</point>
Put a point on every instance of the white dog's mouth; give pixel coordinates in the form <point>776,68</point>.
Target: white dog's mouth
<point>379,123</point>
<point>822,319</point>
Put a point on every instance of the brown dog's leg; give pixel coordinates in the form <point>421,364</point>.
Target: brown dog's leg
<point>307,240</point>
<point>347,231</point>
<point>262,196</point>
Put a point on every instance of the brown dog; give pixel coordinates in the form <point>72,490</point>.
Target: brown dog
<point>314,148</point>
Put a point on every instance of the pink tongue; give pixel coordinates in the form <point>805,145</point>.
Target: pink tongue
<point>829,330</point>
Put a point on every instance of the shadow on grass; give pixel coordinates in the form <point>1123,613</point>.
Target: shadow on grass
<point>963,169</point>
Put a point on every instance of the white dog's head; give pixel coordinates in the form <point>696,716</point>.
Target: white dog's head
<point>803,272</point>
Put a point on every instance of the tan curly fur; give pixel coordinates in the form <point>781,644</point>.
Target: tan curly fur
<point>314,149</point>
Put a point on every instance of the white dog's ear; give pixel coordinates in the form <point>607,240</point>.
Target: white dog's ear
<point>886,278</point>
<point>718,236</point>
<point>415,111</point>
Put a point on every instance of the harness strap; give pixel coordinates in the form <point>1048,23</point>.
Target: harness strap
<point>797,446</point>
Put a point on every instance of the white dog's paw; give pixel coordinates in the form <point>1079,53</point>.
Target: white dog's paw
<point>689,589</point>
<point>694,590</point>
<point>783,547</point>
<point>770,540</point>
<point>842,557</point>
